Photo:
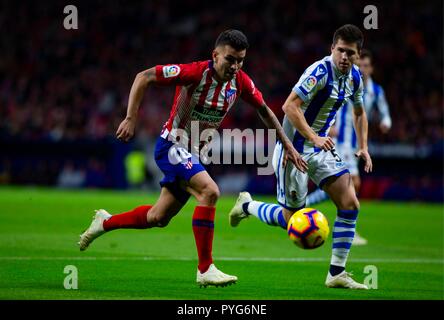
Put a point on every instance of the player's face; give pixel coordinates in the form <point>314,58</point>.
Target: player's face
<point>344,55</point>
<point>228,61</point>
<point>365,66</point>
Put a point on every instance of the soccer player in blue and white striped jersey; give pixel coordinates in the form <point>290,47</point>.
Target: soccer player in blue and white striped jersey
<point>344,133</point>
<point>310,111</point>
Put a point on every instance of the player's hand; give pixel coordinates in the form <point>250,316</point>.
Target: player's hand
<point>291,154</point>
<point>368,165</point>
<point>126,130</point>
<point>384,128</point>
<point>324,143</point>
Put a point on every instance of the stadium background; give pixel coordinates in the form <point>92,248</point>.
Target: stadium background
<point>64,92</point>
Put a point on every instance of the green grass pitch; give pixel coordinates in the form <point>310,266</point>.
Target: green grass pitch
<point>39,230</point>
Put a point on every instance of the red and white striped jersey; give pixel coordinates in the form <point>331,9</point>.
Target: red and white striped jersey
<point>200,97</point>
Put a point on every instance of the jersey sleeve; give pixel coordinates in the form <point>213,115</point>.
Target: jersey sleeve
<point>358,95</point>
<point>249,92</point>
<point>312,80</point>
<point>179,74</point>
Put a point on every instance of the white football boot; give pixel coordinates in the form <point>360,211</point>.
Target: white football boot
<point>237,213</point>
<point>214,277</point>
<point>343,280</point>
<point>95,229</point>
<point>359,241</point>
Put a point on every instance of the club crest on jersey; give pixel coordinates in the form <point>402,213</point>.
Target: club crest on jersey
<point>188,165</point>
<point>230,96</point>
<point>171,71</point>
<point>309,83</point>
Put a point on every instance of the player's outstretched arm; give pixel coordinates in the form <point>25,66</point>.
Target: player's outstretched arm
<point>292,108</point>
<point>140,84</point>
<point>270,120</point>
<point>361,128</point>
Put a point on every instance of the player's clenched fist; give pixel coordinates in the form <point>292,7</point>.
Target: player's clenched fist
<point>126,130</point>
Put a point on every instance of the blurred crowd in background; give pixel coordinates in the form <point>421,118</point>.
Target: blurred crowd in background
<point>65,86</point>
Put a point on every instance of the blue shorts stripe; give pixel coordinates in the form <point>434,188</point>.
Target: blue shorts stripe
<point>323,181</point>
<point>289,208</point>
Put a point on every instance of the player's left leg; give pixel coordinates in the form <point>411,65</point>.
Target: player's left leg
<point>269,213</point>
<point>291,189</point>
<point>342,192</point>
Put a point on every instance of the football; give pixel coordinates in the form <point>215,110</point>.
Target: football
<point>308,228</point>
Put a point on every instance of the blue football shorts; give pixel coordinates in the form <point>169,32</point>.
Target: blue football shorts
<point>178,165</point>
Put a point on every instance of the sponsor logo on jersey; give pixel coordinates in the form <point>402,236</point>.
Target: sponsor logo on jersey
<point>201,113</point>
<point>319,70</point>
<point>171,71</point>
<point>309,83</point>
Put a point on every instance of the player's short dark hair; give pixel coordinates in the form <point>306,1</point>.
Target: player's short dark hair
<point>350,34</point>
<point>365,53</point>
<point>233,38</point>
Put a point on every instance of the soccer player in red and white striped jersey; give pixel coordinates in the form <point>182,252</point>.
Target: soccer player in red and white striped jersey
<point>205,92</point>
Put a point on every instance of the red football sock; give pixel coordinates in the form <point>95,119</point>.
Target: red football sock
<point>134,219</point>
<point>203,229</point>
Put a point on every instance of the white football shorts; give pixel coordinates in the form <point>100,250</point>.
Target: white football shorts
<point>292,184</point>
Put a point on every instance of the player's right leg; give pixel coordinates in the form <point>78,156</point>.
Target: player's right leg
<point>142,217</point>
<point>269,213</point>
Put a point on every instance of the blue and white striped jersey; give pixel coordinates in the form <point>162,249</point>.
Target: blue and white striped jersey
<point>374,97</point>
<point>324,90</point>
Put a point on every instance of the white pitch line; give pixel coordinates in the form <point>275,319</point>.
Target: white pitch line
<point>258,259</point>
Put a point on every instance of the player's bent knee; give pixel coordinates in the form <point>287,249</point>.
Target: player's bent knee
<point>351,203</point>
<point>159,221</point>
<point>210,195</point>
